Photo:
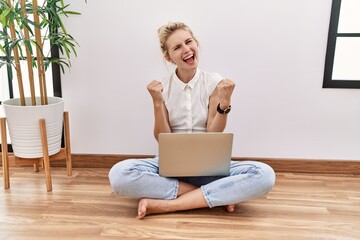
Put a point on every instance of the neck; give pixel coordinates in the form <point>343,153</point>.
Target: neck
<point>185,75</point>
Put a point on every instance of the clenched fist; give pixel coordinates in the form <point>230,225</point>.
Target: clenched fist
<point>224,91</point>
<point>155,88</point>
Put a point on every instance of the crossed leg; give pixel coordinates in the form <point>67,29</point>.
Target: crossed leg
<point>189,197</point>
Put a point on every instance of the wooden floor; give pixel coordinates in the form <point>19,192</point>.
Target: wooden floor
<point>301,206</point>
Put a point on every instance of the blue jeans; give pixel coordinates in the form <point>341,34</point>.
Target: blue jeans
<point>139,178</point>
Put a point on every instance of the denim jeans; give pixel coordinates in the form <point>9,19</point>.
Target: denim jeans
<point>139,178</point>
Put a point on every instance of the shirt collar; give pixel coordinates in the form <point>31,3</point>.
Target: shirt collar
<point>191,83</point>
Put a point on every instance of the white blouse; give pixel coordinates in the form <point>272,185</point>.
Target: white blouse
<point>188,104</point>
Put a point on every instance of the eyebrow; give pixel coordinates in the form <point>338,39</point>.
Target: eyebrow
<point>177,45</point>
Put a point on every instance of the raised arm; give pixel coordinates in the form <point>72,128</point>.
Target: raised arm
<point>161,116</point>
<point>216,121</point>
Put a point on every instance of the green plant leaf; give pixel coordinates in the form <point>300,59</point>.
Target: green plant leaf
<point>4,16</point>
<point>71,13</point>
<point>28,45</point>
<point>3,49</point>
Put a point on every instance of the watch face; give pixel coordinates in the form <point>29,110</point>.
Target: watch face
<point>225,111</point>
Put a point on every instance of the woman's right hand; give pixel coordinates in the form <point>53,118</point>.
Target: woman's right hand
<point>161,125</point>
<point>155,88</point>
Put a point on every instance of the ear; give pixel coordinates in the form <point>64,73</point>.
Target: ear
<point>167,58</point>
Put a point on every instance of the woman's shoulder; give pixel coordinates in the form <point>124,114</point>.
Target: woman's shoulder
<point>209,80</point>
<point>210,76</point>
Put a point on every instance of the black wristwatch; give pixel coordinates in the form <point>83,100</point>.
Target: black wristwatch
<point>225,111</point>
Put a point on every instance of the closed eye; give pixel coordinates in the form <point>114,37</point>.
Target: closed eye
<point>189,41</point>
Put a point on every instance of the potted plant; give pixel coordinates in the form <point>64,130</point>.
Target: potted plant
<point>30,31</point>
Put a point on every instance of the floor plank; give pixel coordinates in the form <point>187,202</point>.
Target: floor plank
<point>301,206</point>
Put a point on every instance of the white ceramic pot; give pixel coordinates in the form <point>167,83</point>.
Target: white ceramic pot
<point>24,128</point>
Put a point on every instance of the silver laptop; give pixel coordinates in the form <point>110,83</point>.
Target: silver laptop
<point>195,154</point>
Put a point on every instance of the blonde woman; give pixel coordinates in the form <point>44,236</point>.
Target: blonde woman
<point>189,100</point>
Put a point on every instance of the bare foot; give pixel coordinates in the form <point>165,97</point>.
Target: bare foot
<point>143,205</point>
<point>190,200</point>
<point>230,208</point>
<point>148,206</point>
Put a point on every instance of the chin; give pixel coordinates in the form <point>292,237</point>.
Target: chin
<point>195,64</point>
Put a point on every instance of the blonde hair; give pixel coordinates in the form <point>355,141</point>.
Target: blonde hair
<point>165,31</point>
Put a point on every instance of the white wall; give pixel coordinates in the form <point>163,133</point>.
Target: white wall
<point>273,49</point>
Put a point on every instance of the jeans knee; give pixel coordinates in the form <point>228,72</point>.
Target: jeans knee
<point>269,178</point>
<point>117,177</point>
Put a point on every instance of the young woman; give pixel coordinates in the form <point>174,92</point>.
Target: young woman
<point>189,100</point>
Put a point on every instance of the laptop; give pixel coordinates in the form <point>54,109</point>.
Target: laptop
<point>195,154</point>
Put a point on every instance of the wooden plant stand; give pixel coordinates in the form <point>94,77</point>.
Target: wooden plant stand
<point>64,153</point>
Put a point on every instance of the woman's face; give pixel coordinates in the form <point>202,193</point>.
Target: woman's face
<point>182,50</point>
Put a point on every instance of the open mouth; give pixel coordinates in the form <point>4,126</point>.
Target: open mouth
<point>189,59</point>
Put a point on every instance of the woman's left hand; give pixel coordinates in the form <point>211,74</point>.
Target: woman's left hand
<point>224,90</point>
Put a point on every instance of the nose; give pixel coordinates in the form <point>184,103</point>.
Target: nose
<point>186,48</point>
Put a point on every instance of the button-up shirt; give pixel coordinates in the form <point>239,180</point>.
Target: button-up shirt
<point>188,103</point>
